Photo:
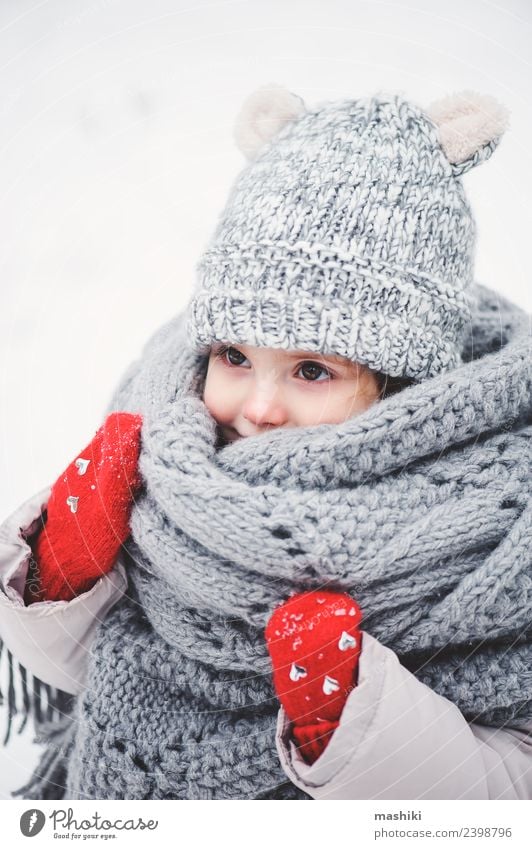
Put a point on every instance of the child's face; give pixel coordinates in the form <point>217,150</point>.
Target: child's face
<point>249,390</point>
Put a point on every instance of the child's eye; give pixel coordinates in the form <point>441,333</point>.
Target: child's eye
<point>232,356</point>
<point>314,372</point>
<point>309,370</point>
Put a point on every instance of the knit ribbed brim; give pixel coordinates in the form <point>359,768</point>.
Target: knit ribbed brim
<point>277,297</point>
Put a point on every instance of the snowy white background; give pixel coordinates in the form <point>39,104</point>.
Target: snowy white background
<point>117,154</point>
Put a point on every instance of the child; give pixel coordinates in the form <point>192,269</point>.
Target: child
<point>344,254</point>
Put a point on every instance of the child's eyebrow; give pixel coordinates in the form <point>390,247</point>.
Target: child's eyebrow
<point>316,355</point>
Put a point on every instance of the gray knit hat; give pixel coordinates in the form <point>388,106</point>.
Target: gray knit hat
<point>349,232</point>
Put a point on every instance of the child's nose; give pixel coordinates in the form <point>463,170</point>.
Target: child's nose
<point>263,406</point>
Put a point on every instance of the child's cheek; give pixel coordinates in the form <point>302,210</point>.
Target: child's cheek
<point>218,396</point>
<point>364,393</point>
<point>337,402</point>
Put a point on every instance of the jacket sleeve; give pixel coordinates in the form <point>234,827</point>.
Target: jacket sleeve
<point>398,739</point>
<point>50,638</point>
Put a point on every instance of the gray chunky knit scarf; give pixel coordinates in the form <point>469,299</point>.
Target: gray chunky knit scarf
<point>420,508</point>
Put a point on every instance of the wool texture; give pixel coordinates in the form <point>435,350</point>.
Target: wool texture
<point>419,508</point>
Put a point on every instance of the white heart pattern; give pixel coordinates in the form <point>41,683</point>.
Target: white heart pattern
<point>297,672</point>
<point>82,465</point>
<point>346,641</point>
<point>72,502</point>
<point>330,685</point>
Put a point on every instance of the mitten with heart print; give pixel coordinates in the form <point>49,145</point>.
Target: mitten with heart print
<point>314,641</point>
<point>87,515</point>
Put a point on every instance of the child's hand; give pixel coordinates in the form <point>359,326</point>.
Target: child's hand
<point>314,642</point>
<point>87,513</point>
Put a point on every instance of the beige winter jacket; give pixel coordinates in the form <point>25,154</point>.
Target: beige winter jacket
<point>397,739</point>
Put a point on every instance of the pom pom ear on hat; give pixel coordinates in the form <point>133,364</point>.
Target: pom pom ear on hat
<point>263,114</point>
<point>470,126</point>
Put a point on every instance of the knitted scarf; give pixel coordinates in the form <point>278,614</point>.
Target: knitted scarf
<point>419,507</point>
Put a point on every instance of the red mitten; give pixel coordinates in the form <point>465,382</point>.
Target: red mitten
<point>87,513</point>
<point>314,642</point>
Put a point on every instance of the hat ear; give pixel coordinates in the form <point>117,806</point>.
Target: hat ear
<point>470,126</point>
<point>263,114</point>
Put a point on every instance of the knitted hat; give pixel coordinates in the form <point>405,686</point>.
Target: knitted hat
<point>349,232</point>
